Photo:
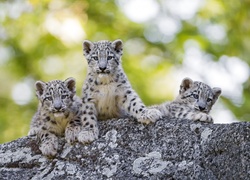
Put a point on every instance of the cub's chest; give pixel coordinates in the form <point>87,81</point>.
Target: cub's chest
<point>106,98</point>
<point>106,95</point>
<point>58,123</point>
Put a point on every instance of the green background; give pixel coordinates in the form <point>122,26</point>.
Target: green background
<point>42,40</point>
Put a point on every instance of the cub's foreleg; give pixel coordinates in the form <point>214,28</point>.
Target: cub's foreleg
<point>90,129</point>
<point>134,107</point>
<point>48,143</point>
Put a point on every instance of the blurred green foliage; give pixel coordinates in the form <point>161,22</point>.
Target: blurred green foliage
<point>39,40</point>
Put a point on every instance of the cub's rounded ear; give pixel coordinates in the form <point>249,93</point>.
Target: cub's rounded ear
<point>117,45</point>
<point>40,86</point>
<point>71,84</point>
<point>217,91</point>
<point>87,47</point>
<point>185,85</point>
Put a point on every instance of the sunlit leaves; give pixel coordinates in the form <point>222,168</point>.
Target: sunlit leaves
<point>42,40</point>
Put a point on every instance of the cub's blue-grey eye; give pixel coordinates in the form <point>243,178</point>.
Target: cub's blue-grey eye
<point>64,96</point>
<point>95,58</point>
<point>109,57</point>
<point>209,99</point>
<point>196,96</point>
<point>48,98</point>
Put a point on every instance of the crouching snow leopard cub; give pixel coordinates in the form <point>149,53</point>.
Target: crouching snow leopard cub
<point>107,92</point>
<point>58,114</point>
<point>194,101</point>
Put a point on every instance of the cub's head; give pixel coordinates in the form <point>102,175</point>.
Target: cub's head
<point>103,56</point>
<point>198,95</point>
<point>56,96</point>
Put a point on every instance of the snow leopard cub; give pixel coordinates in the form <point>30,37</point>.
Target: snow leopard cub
<point>194,101</point>
<point>107,92</point>
<point>58,114</point>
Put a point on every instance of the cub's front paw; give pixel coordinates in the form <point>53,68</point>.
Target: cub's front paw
<point>150,115</point>
<point>49,148</point>
<point>33,131</point>
<point>203,117</point>
<point>87,136</point>
<point>71,134</point>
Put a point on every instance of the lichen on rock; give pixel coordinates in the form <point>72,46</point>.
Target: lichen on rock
<point>126,149</point>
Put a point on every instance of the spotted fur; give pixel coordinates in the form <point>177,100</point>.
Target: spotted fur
<point>194,102</point>
<point>107,92</point>
<point>59,113</point>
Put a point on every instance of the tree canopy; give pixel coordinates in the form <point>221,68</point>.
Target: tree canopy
<point>164,42</point>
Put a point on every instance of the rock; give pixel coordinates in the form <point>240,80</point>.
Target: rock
<point>168,149</point>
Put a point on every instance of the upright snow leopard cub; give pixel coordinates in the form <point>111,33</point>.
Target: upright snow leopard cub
<point>194,101</point>
<point>107,92</point>
<point>58,114</point>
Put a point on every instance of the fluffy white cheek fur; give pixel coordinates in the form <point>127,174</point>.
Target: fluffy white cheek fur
<point>58,114</point>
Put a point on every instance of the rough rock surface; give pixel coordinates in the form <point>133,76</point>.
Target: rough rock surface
<point>168,149</point>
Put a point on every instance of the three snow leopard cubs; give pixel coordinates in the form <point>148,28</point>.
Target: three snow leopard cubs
<point>194,101</point>
<point>106,92</point>
<point>59,113</point>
